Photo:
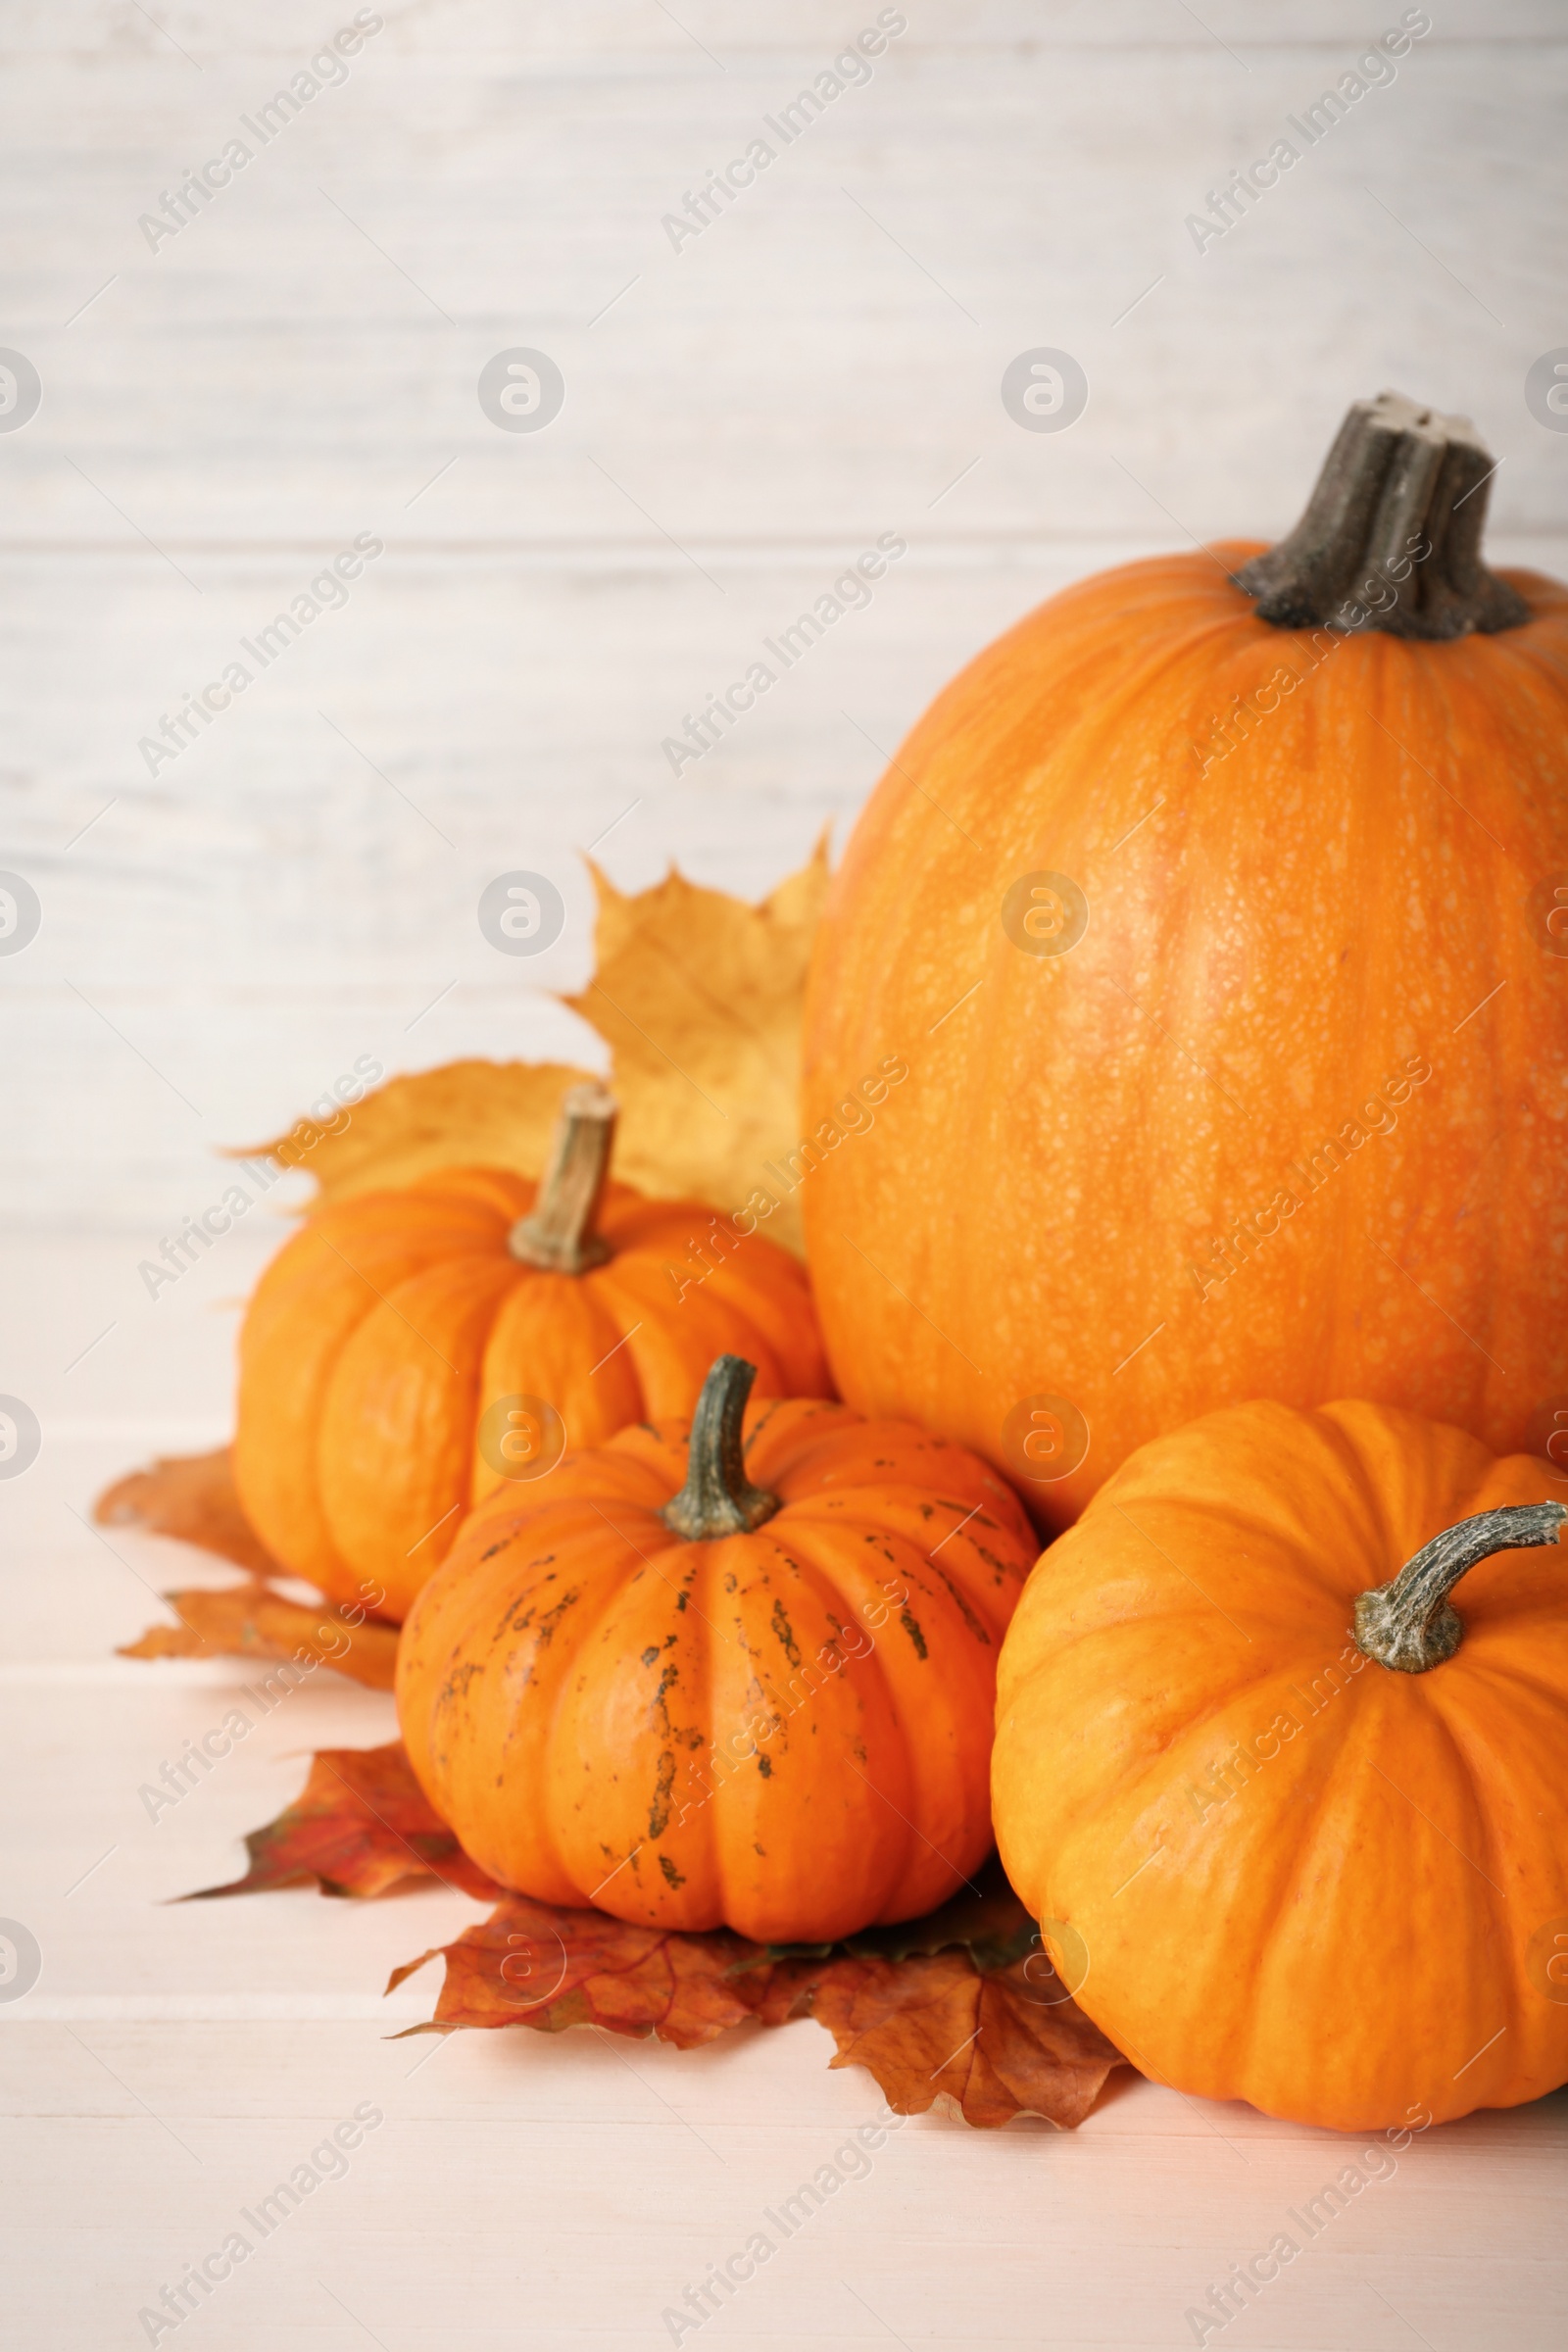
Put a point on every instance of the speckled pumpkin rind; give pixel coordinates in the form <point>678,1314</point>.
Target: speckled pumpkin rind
<point>786,1732</point>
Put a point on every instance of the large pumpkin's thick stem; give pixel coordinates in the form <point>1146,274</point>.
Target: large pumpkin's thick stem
<point>718,1498</point>
<point>558,1232</point>
<point>1392,535</point>
<point>1409,1624</point>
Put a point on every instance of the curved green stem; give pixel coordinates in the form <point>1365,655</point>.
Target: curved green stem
<point>718,1498</point>
<point>1408,1623</point>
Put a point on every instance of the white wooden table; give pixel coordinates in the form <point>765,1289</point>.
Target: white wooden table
<point>222,412</point>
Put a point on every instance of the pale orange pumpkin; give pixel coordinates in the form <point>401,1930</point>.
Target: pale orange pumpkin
<point>410,1350</point>
<point>695,1685</point>
<point>1292,1820</point>
<point>1220,912</point>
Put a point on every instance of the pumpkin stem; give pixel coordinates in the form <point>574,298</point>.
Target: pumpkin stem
<point>1409,1624</point>
<point>718,1498</point>
<point>557,1232</point>
<point>1390,538</point>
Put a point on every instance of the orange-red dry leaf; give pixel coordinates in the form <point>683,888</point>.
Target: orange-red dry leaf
<point>985,1917</point>
<point>360,1826</point>
<point>534,1964</point>
<point>932,2014</point>
<point>191,1496</point>
<point>253,1621</point>
<point>994,2045</point>
<point>991,2045</point>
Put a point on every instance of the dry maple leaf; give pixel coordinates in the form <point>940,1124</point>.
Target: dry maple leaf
<point>360,1826</point>
<point>989,2045</point>
<point>192,1496</point>
<point>985,1917</point>
<point>499,1114</point>
<point>253,1621</point>
<point>940,2008</point>
<point>536,1964</point>
<point>698,996</point>
<point>993,2043</point>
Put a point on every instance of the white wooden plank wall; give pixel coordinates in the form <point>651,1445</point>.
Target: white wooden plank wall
<point>220,417</point>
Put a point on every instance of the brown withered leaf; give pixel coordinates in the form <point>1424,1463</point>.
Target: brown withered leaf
<point>985,1917</point>
<point>191,1496</point>
<point>497,1114</point>
<point>360,1826</point>
<point>992,2044</point>
<point>957,2007</point>
<point>254,1620</point>
<point>534,1964</point>
<point>698,996</point>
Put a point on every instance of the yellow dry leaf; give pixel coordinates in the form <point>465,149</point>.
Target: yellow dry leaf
<point>698,996</point>
<point>497,1114</point>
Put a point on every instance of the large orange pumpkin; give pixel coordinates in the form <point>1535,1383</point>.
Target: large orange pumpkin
<point>694,1686</point>
<point>1229,957</point>
<point>410,1350</point>
<point>1292,1820</point>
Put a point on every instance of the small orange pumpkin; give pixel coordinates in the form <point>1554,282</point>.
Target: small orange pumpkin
<point>697,1685</point>
<point>1294,1827</point>
<point>410,1350</point>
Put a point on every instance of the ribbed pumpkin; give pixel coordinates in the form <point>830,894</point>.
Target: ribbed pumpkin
<point>1229,954</point>
<point>694,1685</point>
<point>1292,1821</point>
<point>410,1350</point>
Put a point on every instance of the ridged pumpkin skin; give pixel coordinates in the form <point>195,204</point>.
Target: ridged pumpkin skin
<point>1350,1920</point>
<point>1085,1182</point>
<point>382,1331</point>
<point>607,1714</point>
